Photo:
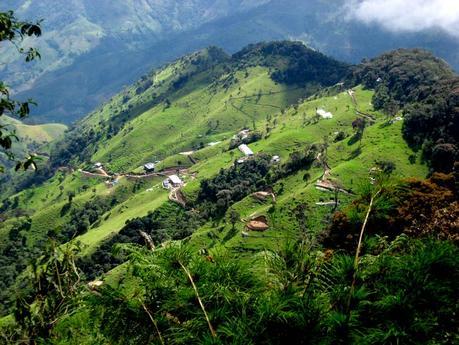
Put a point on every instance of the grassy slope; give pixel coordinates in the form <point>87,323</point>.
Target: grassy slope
<point>137,206</point>
<point>380,142</point>
<point>209,108</point>
<point>198,114</point>
<point>34,134</point>
<point>288,135</point>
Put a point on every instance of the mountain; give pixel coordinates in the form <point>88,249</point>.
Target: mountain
<point>268,234</point>
<point>90,52</point>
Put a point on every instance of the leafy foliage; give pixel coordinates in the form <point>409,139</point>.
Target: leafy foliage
<point>434,125</point>
<point>419,208</point>
<point>51,290</point>
<point>231,185</point>
<point>405,293</point>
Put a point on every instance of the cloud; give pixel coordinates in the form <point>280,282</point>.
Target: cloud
<point>408,15</point>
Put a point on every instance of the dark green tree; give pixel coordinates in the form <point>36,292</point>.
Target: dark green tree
<point>359,125</point>
<point>234,218</point>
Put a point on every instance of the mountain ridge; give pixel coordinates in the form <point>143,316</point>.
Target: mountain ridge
<point>316,23</point>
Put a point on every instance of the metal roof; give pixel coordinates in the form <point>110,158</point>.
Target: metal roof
<point>175,179</point>
<point>245,150</point>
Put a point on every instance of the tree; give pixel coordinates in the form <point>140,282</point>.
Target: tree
<point>15,31</point>
<point>359,125</point>
<point>391,109</point>
<point>234,218</point>
<point>300,214</point>
<point>443,157</point>
<point>70,196</point>
<point>53,285</point>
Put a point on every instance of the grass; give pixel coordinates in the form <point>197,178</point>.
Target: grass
<point>199,114</point>
<point>380,142</point>
<point>138,205</point>
<point>204,112</point>
<point>32,137</point>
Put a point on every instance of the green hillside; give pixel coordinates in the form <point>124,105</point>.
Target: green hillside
<point>34,135</point>
<point>321,150</point>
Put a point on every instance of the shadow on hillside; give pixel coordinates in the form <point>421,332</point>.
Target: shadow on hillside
<point>65,209</point>
<point>354,139</point>
<point>354,154</point>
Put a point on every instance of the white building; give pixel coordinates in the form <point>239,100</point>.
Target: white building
<point>244,133</point>
<point>175,181</point>
<point>324,114</point>
<point>245,150</point>
<point>275,159</point>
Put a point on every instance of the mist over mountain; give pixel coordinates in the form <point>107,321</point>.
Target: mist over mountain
<point>90,50</point>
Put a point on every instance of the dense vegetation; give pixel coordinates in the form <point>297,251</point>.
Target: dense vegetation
<point>401,291</point>
<point>232,185</point>
<point>426,89</point>
<point>301,65</point>
<point>168,223</point>
<point>16,253</point>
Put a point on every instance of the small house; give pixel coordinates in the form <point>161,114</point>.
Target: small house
<point>324,114</point>
<point>149,167</point>
<point>245,150</point>
<point>175,181</point>
<point>243,134</point>
<point>275,159</point>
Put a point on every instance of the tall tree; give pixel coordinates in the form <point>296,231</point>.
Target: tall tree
<point>14,31</point>
<point>359,125</point>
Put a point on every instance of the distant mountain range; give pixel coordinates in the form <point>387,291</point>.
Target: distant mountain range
<point>91,49</point>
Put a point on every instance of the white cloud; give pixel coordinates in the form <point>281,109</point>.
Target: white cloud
<point>408,15</point>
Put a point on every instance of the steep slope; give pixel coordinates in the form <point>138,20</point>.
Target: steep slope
<point>186,114</point>
<point>67,84</point>
<point>32,137</point>
<point>80,34</point>
<point>196,100</point>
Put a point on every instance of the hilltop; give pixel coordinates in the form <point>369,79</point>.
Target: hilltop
<point>321,140</point>
<point>80,70</point>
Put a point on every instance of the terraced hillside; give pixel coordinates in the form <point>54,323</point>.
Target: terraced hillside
<point>196,100</point>
<point>186,117</point>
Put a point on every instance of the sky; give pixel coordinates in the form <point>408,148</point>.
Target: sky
<point>408,15</point>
